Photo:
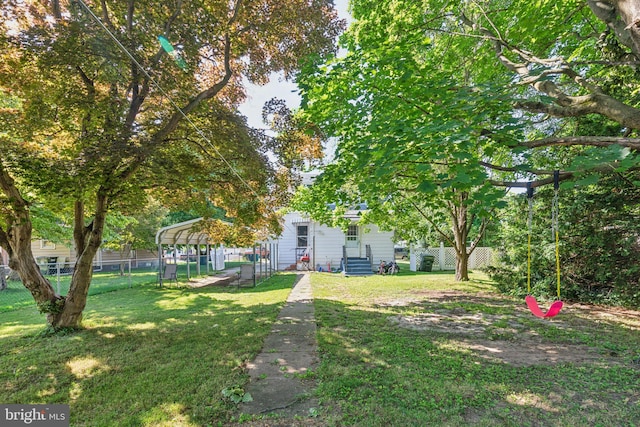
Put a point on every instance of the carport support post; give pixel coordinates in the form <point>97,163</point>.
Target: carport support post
<point>274,260</point>
<point>262,249</point>
<point>254,265</point>
<point>160,258</point>
<point>197,253</point>
<point>207,256</point>
<point>188,264</point>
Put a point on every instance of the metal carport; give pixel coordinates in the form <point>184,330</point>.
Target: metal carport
<point>183,233</point>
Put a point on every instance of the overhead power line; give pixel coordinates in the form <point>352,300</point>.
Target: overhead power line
<point>166,95</point>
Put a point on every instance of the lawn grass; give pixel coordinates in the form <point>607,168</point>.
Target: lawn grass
<point>154,356</point>
<point>17,296</point>
<point>375,373</point>
<point>147,356</point>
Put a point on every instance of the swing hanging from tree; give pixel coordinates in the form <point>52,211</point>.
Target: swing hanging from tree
<point>555,308</point>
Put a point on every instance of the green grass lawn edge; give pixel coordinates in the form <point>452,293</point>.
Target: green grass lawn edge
<point>147,356</point>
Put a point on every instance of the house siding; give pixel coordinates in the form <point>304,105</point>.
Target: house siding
<point>62,252</point>
<point>325,243</point>
<point>381,243</point>
<point>66,255</point>
<point>327,246</point>
<point>287,240</point>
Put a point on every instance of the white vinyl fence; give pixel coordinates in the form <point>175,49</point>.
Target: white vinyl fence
<point>445,258</point>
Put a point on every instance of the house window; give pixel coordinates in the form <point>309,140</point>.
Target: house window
<point>45,244</point>
<point>302,236</point>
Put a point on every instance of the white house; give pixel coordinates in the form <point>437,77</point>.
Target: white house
<point>306,244</point>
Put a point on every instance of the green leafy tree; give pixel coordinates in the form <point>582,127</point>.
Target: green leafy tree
<point>401,151</point>
<point>123,233</point>
<point>439,102</point>
<point>601,249</point>
<point>598,240</point>
<point>98,130</point>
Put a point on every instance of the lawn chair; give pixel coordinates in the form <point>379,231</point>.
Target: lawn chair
<point>170,273</point>
<point>304,260</point>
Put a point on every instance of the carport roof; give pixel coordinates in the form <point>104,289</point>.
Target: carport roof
<point>181,234</point>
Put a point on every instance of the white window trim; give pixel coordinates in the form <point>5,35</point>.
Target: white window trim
<point>352,240</point>
<point>45,244</point>
<point>298,235</point>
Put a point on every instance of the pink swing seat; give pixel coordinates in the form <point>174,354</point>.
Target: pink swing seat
<point>535,309</point>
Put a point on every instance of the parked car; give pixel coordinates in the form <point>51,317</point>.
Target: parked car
<point>401,253</point>
<point>262,253</point>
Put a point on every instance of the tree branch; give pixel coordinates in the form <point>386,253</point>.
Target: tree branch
<point>428,219</point>
<point>480,234</point>
<point>140,91</point>
<point>595,102</point>
<point>593,141</point>
<point>536,183</point>
<point>621,17</point>
<point>564,175</point>
<point>91,96</point>
<point>211,92</point>
<point>105,15</point>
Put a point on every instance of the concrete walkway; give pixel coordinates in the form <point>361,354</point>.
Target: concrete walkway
<point>282,382</point>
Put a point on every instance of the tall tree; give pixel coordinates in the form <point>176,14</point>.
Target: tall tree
<point>437,101</point>
<point>103,113</point>
<point>410,130</point>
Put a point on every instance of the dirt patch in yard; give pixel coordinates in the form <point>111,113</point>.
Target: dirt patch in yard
<point>502,329</point>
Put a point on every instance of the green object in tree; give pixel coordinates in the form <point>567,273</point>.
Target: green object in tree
<point>168,47</point>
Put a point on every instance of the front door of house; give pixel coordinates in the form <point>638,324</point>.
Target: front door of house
<point>302,238</point>
<point>352,241</point>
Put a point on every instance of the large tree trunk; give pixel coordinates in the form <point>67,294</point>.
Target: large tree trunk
<point>16,240</point>
<point>76,299</point>
<point>62,312</point>
<point>21,259</point>
<point>461,227</point>
<point>462,265</point>
<point>87,240</point>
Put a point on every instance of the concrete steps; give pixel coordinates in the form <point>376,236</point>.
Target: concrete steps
<point>358,267</point>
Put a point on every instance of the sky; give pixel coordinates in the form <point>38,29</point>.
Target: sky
<point>277,87</point>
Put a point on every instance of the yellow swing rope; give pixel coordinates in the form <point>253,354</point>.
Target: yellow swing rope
<point>529,265</point>
<point>529,220</point>
<point>558,260</point>
<point>555,227</point>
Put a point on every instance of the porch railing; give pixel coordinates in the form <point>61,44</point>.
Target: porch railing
<point>344,257</point>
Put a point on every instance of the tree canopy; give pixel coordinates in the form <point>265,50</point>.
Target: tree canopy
<point>97,115</point>
<point>441,104</point>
